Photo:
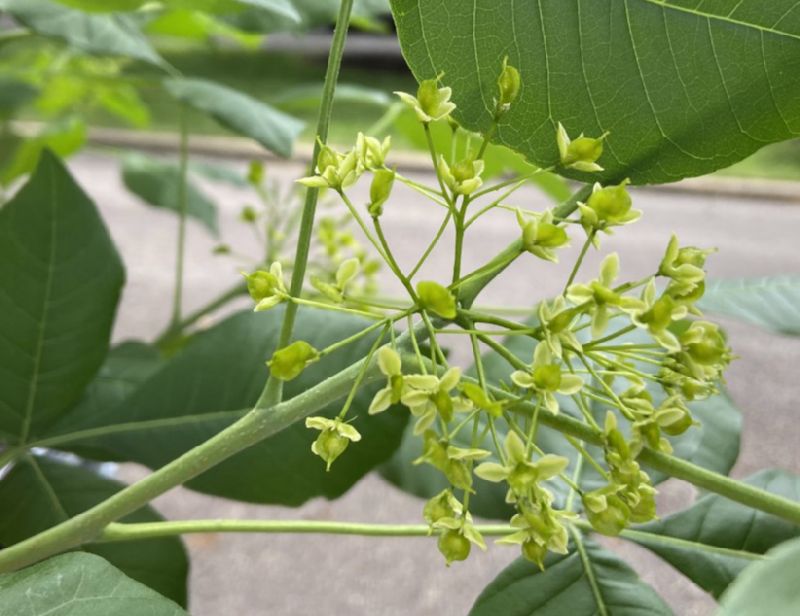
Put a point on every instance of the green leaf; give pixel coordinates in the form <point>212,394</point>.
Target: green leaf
<point>62,278</point>
<point>126,368</point>
<point>239,112</point>
<point>14,93</point>
<point>772,303</point>
<point>39,493</point>
<point>684,87</point>
<point>768,587</point>
<point>103,34</point>
<point>79,584</point>
<point>310,96</point>
<point>214,380</point>
<point>599,584</point>
<point>63,138</point>
<point>717,521</point>
<point>159,183</point>
<point>284,9</point>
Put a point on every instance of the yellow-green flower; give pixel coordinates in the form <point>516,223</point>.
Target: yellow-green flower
<point>546,378</point>
<point>370,152</point>
<point>428,396</point>
<point>334,170</point>
<point>464,177</point>
<point>540,236</point>
<point>267,288</point>
<point>334,438</point>
<point>582,152</point>
<point>431,102</point>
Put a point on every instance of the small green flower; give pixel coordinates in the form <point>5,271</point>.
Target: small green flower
<point>428,396</point>
<point>607,207</point>
<point>267,288</point>
<point>453,462</point>
<point>371,153</point>
<point>435,298</point>
<point>287,363</point>
<point>464,177</point>
<point>599,297</point>
<point>457,536</point>
<point>607,513</point>
<point>443,505</point>
<point>541,237</point>
<point>557,322</point>
<point>334,170</point>
<point>508,85</point>
<point>540,529</point>
<point>431,102</point>
<point>546,378</point>
<point>581,153</point>
<point>706,345</point>
<point>335,292</point>
<point>379,191</point>
<point>519,472</point>
<point>684,266</point>
<point>391,366</point>
<point>656,315</point>
<point>334,438</point>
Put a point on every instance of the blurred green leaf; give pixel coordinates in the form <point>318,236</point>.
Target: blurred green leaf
<point>158,183</point>
<point>63,138</point>
<point>78,581</point>
<point>39,493</point>
<point>716,521</point>
<point>14,93</point>
<point>310,96</point>
<point>772,303</point>
<point>105,34</point>
<point>214,381</point>
<point>600,584</point>
<point>62,278</point>
<point>239,112</point>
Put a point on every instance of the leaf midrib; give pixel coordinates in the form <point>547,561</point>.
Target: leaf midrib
<point>43,322</point>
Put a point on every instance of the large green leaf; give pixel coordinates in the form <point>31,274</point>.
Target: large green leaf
<point>684,87</point>
<point>773,303</point>
<point>105,34</point>
<point>717,521</point>
<point>79,584</point>
<point>239,112</point>
<point>768,587</point>
<point>213,381</point>
<point>159,183</point>
<point>599,584</point>
<point>39,493</point>
<point>61,278</point>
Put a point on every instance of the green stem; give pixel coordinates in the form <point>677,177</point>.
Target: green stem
<point>183,206</point>
<point>432,245</point>
<point>391,261</point>
<point>579,262</point>
<point>273,390</point>
<point>154,530</point>
<point>254,427</point>
<point>432,150</point>
<point>738,491</point>
<point>227,296</point>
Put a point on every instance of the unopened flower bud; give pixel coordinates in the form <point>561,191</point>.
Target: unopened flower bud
<point>508,85</point>
<point>379,191</point>
<point>288,362</point>
<point>437,299</point>
<point>454,546</point>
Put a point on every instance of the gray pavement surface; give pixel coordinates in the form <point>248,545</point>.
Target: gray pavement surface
<point>298,575</point>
